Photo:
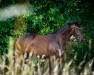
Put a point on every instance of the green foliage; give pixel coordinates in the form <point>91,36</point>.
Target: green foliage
<point>50,16</point>
<point>6,30</point>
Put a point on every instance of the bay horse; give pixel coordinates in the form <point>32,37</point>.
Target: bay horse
<point>53,44</point>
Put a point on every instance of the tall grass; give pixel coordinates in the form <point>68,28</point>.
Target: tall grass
<point>41,67</point>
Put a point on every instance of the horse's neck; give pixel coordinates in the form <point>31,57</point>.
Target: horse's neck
<point>64,34</point>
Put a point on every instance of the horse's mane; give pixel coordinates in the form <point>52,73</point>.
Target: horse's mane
<point>68,24</point>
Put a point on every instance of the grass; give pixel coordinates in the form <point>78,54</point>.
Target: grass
<point>41,66</point>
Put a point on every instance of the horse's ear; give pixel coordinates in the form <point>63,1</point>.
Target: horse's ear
<point>80,23</point>
<point>76,23</point>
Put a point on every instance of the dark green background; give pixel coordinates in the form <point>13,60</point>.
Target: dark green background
<point>51,15</point>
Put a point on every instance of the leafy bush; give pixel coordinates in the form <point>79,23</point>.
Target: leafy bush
<point>50,16</point>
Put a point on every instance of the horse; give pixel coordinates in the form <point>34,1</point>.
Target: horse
<point>45,46</point>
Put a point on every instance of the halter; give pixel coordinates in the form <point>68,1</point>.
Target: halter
<point>74,31</point>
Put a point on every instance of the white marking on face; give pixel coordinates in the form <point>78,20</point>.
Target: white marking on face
<point>72,37</point>
<point>43,56</point>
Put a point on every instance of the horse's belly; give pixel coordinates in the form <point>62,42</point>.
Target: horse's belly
<point>39,51</point>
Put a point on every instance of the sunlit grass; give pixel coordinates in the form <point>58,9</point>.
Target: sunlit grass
<point>38,68</point>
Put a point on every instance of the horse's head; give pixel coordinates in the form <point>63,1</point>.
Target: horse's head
<point>77,31</point>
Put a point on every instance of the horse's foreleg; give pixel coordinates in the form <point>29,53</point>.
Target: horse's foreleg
<point>60,61</point>
<point>50,64</point>
<point>60,66</point>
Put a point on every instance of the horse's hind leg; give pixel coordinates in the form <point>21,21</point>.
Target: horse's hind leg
<point>26,57</point>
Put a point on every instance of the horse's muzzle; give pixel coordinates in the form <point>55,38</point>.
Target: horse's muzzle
<point>80,39</point>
